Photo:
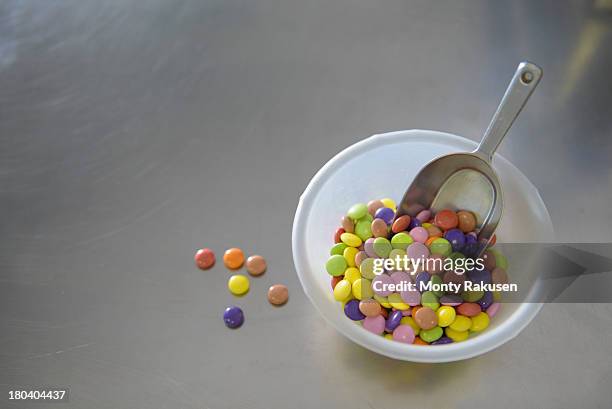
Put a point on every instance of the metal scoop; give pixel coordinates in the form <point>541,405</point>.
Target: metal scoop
<point>466,181</point>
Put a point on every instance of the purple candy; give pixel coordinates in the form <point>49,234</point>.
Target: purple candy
<point>380,285</point>
<point>368,247</point>
<point>233,317</point>
<point>411,297</point>
<point>456,239</point>
<point>351,309</point>
<point>443,340</point>
<point>486,300</point>
<point>414,222</point>
<point>451,300</point>
<point>421,279</point>
<point>386,214</point>
<point>394,320</point>
<point>424,215</point>
<point>471,238</point>
<point>479,276</point>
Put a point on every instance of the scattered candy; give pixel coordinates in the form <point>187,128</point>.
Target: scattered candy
<point>278,294</point>
<point>204,258</point>
<point>370,236</point>
<point>256,265</point>
<point>233,317</point>
<point>238,284</point>
<point>233,258</point>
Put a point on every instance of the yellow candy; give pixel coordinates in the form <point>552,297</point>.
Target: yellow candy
<point>456,336</point>
<point>382,301</point>
<point>426,225</point>
<point>446,316</point>
<point>362,289</point>
<point>461,323</point>
<point>352,274</point>
<point>390,203</point>
<point>480,322</point>
<point>410,321</point>
<point>496,296</point>
<point>238,284</point>
<point>342,290</point>
<point>389,336</point>
<point>350,239</point>
<point>349,254</point>
<point>396,302</point>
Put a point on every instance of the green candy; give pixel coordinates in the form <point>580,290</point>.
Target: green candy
<point>455,255</point>
<point>441,246</point>
<point>363,229</point>
<point>436,280</point>
<point>367,268</point>
<point>357,211</point>
<point>500,259</point>
<point>429,299</point>
<point>367,217</point>
<point>401,241</point>
<point>431,335</point>
<point>472,296</point>
<point>382,247</point>
<point>338,248</point>
<point>336,265</point>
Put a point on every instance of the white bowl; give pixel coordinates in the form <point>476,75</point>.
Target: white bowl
<point>383,166</point>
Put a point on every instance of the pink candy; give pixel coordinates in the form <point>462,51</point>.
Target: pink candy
<point>404,333</point>
<point>493,309</point>
<point>419,234</point>
<point>375,324</point>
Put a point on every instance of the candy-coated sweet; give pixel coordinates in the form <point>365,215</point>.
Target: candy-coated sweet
<point>386,214</point>
<point>446,316</point>
<point>456,336</point>
<point>442,341</point>
<point>486,300</point>
<point>456,238</point>
<point>343,290</point>
<point>352,274</point>
<point>400,224</point>
<point>256,265</point>
<point>461,323</point>
<point>414,222</point>
<point>410,321</point>
<point>379,228</point>
<point>419,234</point>
<point>472,296</point>
<point>335,280</point>
<point>419,341</point>
<point>336,265</point>
<point>426,318</point>
<point>421,280</point>
<point>404,333</point>
<point>467,221</point>
<point>370,308</point>
<point>389,337</point>
<point>480,322</point>
<point>396,302</point>
<point>351,310</point>
<point>368,247</point>
<point>431,335</point>
<point>375,325</point>
<point>349,255</point>
<point>499,276</point>
<point>451,300</point>
<point>278,294</point>
<point>380,285</point>
<point>429,299</point>
<point>362,289</point>
<point>233,258</point>
<point>446,219</point>
<point>359,257</point>
<point>390,203</point>
<point>373,206</point>
<point>363,229</point>
<point>434,231</point>
<point>233,317</point>
<point>500,259</point>
<point>479,276</point>
<point>338,248</point>
<point>411,297</point>
<point>424,215</point>
<point>366,268</point>
<point>383,301</point>
<point>350,239</point>
<point>338,234</point>
<point>488,258</point>
<point>417,251</point>
<point>204,258</point>
<point>469,309</point>
<point>493,309</point>
<point>401,240</point>
<point>238,284</point>
<point>393,320</point>
<point>357,211</point>
<point>347,224</point>
<point>441,246</point>
<point>382,247</point>
<point>437,280</point>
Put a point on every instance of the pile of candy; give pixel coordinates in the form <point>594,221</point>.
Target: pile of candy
<point>238,284</point>
<point>370,232</point>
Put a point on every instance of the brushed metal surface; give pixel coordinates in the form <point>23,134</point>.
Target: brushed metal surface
<point>133,132</point>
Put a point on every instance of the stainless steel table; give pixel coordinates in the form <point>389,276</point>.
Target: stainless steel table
<point>134,132</point>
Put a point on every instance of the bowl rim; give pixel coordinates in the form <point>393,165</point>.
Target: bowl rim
<point>481,344</point>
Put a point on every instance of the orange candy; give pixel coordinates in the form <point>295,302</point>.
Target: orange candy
<point>434,231</point>
<point>233,258</point>
<point>335,280</point>
<point>430,240</point>
<point>446,219</point>
<point>337,234</point>
<point>467,221</point>
<point>419,341</point>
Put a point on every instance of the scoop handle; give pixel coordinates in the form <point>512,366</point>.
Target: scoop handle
<point>524,81</point>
